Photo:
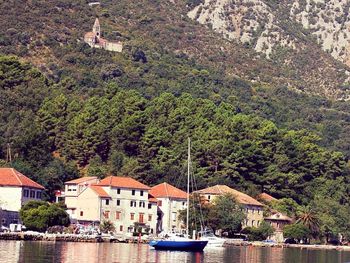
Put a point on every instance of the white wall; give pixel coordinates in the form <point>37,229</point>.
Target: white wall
<point>12,197</point>
<point>171,209</point>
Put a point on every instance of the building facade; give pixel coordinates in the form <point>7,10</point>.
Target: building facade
<point>122,200</point>
<point>16,190</point>
<point>94,39</point>
<point>252,208</point>
<point>171,201</point>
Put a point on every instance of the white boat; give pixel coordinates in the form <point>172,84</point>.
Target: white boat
<point>213,240</point>
<point>182,243</point>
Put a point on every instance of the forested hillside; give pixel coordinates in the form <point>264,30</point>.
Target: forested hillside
<point>88,111</point>
<point>56,133</point>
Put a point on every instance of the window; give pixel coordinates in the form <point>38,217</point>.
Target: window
<point>118,215</point>
<point>208,197</point>
<point>38,195</point>
<point>107,201</point>
<point>173,216</point>
<point>141,215</point>
<point>141,193</point>
<point>118,191</point>
<point>149,205</point>
<point>32,194</point>
<point>183,203</point>
<point>106,214</point>
<point>26,193</point>
<point>132,216</point>
<point>132,203</point>
<point>132,192</point>
<point>149,218</point>
<point>142,204</point>
<point>121,228</point>
<point>81,213</point>
<point>253,222</point>
<point>118,202</point>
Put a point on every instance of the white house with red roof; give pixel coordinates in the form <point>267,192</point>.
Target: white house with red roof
<point>122,200</point>
<point>16,190</point>
<point>170,201</point>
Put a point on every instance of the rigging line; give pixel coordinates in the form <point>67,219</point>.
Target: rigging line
<point>200,204</point>
<point>195,188</point>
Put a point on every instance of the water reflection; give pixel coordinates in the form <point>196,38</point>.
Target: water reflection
<point>27,252</point>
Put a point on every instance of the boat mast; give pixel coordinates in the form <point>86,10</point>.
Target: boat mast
<point>188,185</point>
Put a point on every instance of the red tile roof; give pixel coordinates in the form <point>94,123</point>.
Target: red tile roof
<point>81,180</point>
<point>100,191</point>
<point>223,189</point>
<point>266,197</point>
<point>123,182</point>
<point>168,191</point>
<point>11,177</point>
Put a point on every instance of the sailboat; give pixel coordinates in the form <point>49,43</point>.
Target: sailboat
<point>182,243</point>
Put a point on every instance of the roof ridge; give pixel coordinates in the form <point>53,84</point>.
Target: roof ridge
<point>16,175</point>
<point>166,189</point>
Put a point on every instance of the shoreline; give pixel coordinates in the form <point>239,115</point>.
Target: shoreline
<point>22,236</point>
<point>282,245</point>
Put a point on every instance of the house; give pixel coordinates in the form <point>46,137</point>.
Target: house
<point>72,190</point>
<point>16,190</point>
<point>170,201</point>
<point>94,39</point>
<point>278,220</point>
<point>251,207</point>
<point>122,200</point>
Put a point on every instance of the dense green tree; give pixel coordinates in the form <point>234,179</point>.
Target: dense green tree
<point>39,215</point>
<point>296,231</point>
<point>226,214</point>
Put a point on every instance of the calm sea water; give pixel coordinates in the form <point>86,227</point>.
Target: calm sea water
<point>27,252</point>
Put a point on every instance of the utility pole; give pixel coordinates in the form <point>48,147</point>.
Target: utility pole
<point>8,153</point>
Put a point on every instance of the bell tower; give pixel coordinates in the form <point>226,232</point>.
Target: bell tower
<point>96,28</point>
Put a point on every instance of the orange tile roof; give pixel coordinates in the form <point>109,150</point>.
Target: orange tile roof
<point>223,189</point>
<point>99,191</point>
<point>266,197</point>
<point>168,191</point>
<point>81,180</point>
<point>123,182</point>
<point>11,177</point>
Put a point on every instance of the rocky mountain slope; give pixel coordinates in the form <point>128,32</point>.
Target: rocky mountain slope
<point>273,50</point>
<point>291,31</point>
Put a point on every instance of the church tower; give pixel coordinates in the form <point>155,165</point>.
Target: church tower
<point>96,28</point>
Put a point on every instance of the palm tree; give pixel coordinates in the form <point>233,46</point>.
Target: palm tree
<point>308,217</point>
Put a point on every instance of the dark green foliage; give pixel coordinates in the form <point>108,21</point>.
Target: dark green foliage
<point>107,226</point>
<point>39,215</point>
<point>259,233</point>
<point>226,214</point>
<point>296,231</point>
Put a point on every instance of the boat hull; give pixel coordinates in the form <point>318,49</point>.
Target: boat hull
<point>192,245</point>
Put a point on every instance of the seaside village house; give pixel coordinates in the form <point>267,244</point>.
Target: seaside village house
<point>94,39</point>
<point>252,208</point>
<point>122,200</point>
<point>276,219</point>
<point>170,201</point>
<point>16,190</point>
